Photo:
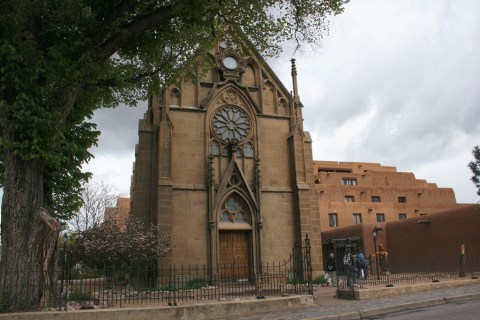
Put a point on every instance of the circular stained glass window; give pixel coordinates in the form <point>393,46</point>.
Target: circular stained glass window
<point>231,124</point>
<point>230,63</point>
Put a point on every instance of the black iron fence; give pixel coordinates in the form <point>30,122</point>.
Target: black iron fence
<point>119,286</point>
<point>352,275</point>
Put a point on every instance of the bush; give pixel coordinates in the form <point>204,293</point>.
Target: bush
<point>196,283</point>
<point>80,296</point>
<point>296,281</point>
<point>86,274</point>
<point>7,306</point>
<point>167,288</point>
<point>4,301</point>
<point>320,279</point>
<point>136,244</point>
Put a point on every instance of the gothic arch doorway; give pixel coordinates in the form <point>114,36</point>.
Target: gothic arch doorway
<point>235,239</point>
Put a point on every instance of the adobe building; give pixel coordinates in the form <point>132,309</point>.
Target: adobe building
<point>416,240</point>
<point>224,166</point>
<point>118,214</point>
<point>352,193</point>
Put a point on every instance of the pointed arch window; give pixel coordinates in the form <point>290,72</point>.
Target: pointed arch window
<point>233,211</point>
<point>214,148</point>
<point>249,151</point>
<point>283,106</point>
<point>175,97</point>
<point>239,153</point>
<point>226,151</point>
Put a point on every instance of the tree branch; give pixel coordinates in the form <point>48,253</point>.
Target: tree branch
<point>136,79</point>
<point>71,99</point>
<point>111,45</point>
<point>119,10</point>
<point>132,30</point>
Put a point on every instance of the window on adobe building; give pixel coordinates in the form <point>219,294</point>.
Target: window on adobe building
<point>375,198</point>
<point>402,199</point>
<point>332,220</point>
<point>357,218</point>
<point>402,216</point>
<point>349,199</point>
<point>380,217</point>
<point>349,182</point>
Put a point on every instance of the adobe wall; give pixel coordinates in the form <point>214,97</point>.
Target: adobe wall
<point>361,231</point>
<point>410,240</point>
<point>435,240</point>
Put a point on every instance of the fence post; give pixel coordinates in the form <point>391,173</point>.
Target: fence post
<point>65,239</point>
<point>308,263</point>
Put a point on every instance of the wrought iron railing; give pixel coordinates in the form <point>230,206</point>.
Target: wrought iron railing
<point>398,272</point>
<point>119,286</point>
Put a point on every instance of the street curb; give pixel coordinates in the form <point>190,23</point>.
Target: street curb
<point>341,316</point>
<point>465,297</point>
<point>380,292</point>
<point>390,309</point>
<point>403,306</point>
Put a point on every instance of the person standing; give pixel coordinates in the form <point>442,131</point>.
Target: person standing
<point>463,261</point>
<point>382,255</point>
<point>350,264</point>
<point>331,270</point>
<point>362,265</point>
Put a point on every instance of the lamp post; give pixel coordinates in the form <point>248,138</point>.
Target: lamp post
<point>65,239</point>
<point>374,234</point>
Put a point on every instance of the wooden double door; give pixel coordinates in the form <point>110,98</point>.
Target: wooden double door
<point>234,256</point>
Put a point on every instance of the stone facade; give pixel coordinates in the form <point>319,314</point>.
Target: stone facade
<point>224,165</point>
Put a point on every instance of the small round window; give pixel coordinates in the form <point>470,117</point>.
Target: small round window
<point>230,63</point>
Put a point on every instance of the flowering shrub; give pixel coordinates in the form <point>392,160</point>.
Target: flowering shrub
<point>135,243</point>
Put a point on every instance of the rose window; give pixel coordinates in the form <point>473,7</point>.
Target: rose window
<point>231,124</point>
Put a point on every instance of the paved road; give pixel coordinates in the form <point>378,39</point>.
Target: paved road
<point>327,307</point>
<point>463,310</point>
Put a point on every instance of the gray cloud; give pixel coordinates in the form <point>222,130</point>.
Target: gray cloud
<point>119,129</point>
<point>395,82</point>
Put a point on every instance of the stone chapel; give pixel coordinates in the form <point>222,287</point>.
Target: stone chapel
<point>224,166</point>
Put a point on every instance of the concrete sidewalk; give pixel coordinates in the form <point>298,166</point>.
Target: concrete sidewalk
<point>327,307</point>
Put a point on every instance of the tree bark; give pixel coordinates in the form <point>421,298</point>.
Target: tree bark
<point>29,237</point>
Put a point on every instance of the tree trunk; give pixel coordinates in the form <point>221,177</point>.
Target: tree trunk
<point>28,237</point>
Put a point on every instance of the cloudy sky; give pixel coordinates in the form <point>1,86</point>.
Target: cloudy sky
<point>394,82</point>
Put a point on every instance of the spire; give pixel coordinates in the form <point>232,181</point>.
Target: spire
<point>296,98</point>
<point>296,120</point>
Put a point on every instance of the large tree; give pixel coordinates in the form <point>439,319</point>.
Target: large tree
<point>475,167</point>
<point>60,60</point>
